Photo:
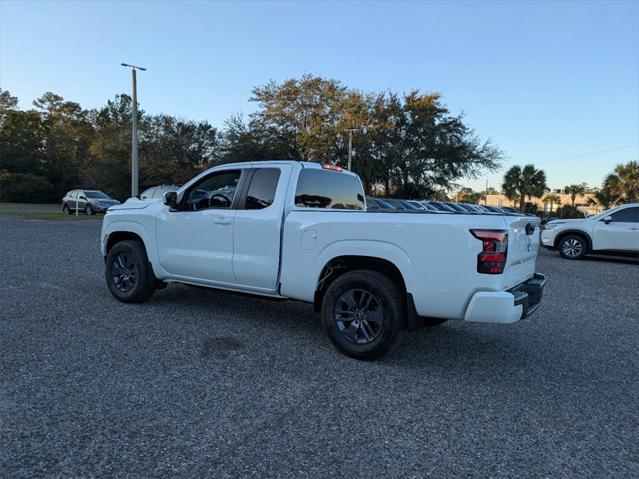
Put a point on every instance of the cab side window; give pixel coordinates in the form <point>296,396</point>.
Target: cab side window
<point>216,191</point>
<point>261,192</point>
<point>628,215</point>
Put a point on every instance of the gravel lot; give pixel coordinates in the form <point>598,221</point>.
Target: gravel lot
<point>202,383</point>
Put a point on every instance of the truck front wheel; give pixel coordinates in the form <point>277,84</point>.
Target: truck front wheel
<point>127,272</point>
<point>363,313</point>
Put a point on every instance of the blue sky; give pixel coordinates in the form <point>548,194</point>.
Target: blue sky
<point>545,80</point>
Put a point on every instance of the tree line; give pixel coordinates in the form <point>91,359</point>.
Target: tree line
<point>406,145</point>
<point>527,182</point>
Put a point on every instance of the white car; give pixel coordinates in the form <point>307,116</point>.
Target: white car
<point>615,231</point>
<point>288,229</point>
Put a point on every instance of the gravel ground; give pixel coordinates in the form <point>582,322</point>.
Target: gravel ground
<point>202,383</point>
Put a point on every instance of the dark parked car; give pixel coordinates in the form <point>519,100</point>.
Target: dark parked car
<point>395,204</point>
<point>441,206</point>
<point>87,201</point>
<point>459,207</point>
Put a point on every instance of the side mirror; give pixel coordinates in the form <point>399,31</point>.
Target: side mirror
<point>82,197</point>
<point>607,219</point>
<point>170,199</point>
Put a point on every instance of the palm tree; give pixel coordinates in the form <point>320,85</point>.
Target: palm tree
<point>520,183</point>
<point>624,182</point>
<point>573,191</point>
<point>605,197</point>
<point>552,199</point>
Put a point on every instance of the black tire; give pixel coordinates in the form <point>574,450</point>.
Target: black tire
<point>573,246</point>
<point>357,334</point>
<point>89,211</point>
<point>127,272</point>
<point>66,210</point>
<point>430,322</point>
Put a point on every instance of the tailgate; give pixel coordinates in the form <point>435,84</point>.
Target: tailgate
<point>523,247</point>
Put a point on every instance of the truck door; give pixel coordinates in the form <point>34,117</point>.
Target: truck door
<point>258,226</point>
<point>196,241</point>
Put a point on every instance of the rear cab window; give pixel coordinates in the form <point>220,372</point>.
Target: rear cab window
<point>327,189</point>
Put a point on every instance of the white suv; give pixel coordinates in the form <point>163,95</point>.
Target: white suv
<point>613,231</point>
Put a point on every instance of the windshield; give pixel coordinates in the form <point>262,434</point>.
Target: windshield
<point>601,215</point>
<point>98,195</point>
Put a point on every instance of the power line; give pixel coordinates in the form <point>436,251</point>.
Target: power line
<point>588,154</point>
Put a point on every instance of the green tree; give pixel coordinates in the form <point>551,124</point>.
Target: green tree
<point>68,136</point>
<point>520,183</point>
<point>624,182</point>
<point>568,211</point>
<point>574,191</point>
<point>468,195</point>
<point>552,199</point>
<point>173,151</point>
<point>304,114</point>
<point>22,140</point>
<point>605,197</point>
<point>24,188</point>
<point>7,101</point>
<point>411,145</point>
<point>109,164</point>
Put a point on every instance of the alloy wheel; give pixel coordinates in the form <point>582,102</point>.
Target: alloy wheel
<point>124,271</point>
<point>572,247</point>
<point>359,316</point>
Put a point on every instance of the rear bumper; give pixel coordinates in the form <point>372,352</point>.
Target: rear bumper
<point>506,307</point>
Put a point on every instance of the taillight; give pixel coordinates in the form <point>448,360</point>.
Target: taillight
<point>326,166</point>
<point>492,259</point>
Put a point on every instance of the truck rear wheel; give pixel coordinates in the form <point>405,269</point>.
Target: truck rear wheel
<point>363,313</point>
<point>127,272</point>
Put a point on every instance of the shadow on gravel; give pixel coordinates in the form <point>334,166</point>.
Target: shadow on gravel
<point>220,347</point>
<point>613,259</point>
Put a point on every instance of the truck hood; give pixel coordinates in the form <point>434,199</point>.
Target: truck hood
<point>571,220</point>
<point>133,205</point>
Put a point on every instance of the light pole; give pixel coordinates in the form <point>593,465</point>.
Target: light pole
<point>134,127</point>
<point>350,147</point>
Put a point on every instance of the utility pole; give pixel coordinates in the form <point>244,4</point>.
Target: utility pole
<point>350,147</point>
<point>486,195</point>
<point>134,128</point>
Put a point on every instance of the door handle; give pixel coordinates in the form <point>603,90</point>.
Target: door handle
<point>634,228</point>
<point>222,221</point>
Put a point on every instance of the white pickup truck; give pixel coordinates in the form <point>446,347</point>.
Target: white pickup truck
<point>298,230</point>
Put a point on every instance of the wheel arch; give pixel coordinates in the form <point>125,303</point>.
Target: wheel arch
<point>117,231</point>
<point>339,265</point>
<point>117,236</point>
